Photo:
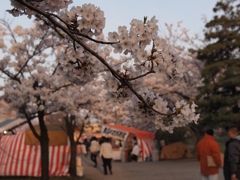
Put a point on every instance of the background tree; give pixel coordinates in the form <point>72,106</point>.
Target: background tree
<point>28,66</point>
<point>219,96</point>
<point>33,85</point>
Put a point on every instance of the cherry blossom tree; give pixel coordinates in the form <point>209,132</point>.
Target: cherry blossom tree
<point>79,29</point>
<point>70,120</point>
<point>33,52</point>
<point>33,85</point>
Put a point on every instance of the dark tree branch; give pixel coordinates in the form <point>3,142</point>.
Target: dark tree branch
<point>6,24</point>
<point>181,94</point>
<point>29,120</point>
<point>9,75</point>
<point>64,86</point>
<point>33,54</point>
<point>55,69</point>
<point>81,34</point>
<point>94,40</point>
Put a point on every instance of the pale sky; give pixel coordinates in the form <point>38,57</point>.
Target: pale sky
<point>121,12</point>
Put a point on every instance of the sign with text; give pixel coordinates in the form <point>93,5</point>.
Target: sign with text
<point>114,133</point>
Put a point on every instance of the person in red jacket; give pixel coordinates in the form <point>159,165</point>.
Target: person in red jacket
<point>208,147</point>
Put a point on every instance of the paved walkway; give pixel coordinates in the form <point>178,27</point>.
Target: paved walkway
<point>187,169</point>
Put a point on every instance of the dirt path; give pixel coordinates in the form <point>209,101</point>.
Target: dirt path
<point>163,170</point>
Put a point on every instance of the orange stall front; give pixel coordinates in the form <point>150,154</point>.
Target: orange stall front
<point>124,135</point>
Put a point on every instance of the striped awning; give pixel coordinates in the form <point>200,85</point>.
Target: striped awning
<point>19,159</point>
<point>10,124</point>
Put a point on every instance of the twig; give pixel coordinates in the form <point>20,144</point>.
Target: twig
<point>94,40</point>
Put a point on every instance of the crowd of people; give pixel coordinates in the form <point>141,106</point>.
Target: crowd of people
<point>103,149</point>
<point>211,159</point>
<point>100,148</point>
<point>207,152</point>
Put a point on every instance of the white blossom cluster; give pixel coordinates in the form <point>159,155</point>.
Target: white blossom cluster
<point>26,48</point>
<point>111,84</point>
<point>87,18</point>
<point>45,5</point>
<point>136,41</point>
<point>118,91</point>
<point>42,93</point>
<point>79,66</point>
<point>169,118</point>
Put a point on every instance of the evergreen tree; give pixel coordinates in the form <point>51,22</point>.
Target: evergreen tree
<point>219,98</point>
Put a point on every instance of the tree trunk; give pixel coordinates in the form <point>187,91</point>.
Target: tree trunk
<point>73,162</point>
<point>70,131</point>
<point>71,124</point>
<point>44,142</point>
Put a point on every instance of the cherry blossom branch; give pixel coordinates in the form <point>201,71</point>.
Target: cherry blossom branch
<point>151,69</point>
<point>8,74</point>
<point>59,19</point>
<point>7,51</point>
<point>138,77</point>
<point>48,16</point>
<point>29,120</point>
<point>74,38</point>
<point>64,86</point>
<point>50,25</point>
<point>82,129</point>
<point>114,65</point>
<point>6,24</point>
<point>181,94</point>
<point>55,69</point>
<point>81,34</point>
<point>94,40</point>
<point>34,54</point>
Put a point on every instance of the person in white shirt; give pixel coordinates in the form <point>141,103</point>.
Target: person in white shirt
<point>94,149</point>
<point>135,152</point>
<point>134,141</point>
<point>106,153</point>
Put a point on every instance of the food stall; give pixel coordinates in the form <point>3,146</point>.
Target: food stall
<point>122,141</point>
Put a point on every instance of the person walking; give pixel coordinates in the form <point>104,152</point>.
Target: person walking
<point>135,152</point>
<point>106,153</point>
<point>231,167</point>
<point>208,147</point>
<point>94,149</point>
<point>86,143</point>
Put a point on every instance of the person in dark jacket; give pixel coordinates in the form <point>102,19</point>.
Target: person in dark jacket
<point>232,155</point>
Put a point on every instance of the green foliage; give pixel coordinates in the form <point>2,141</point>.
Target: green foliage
<point>219,98</point>
<point>177,136</point>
